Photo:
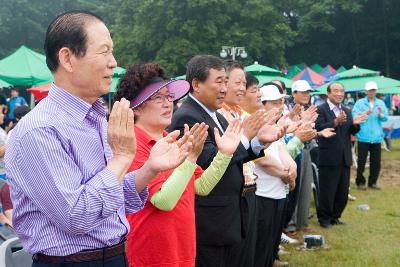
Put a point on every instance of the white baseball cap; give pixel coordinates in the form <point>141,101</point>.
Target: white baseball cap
<point>371,86</point>
<point>301,86</point>
<point>271,92</point>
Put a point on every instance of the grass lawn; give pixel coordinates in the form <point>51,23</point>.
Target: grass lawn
<point>370,238</point>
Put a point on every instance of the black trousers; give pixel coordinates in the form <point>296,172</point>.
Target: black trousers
<point>269,229</point>
<point>119,260</point>
<point>334,182</point>
<point>374,162</point>
<point>213,256</point>
<point>237,255</point>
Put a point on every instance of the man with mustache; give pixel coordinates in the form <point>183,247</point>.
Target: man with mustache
<point>370,136</point>
<point>334,157</point>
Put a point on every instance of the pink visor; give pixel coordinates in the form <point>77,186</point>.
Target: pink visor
<point>178,88</point>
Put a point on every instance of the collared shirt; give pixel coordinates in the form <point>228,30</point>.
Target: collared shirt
<point>231,112</point>
<point>212,114</point>
<point>336,109</point>
<point>371,130</point>
<point>65,199</point>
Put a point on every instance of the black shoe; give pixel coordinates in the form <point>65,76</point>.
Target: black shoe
<point>325,225</point>
<point>374,187</point>
<point>361,187</point>
<point>338,222</point>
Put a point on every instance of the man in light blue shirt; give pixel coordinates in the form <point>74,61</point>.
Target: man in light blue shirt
<point>15,101</point>
<point>370,135</point>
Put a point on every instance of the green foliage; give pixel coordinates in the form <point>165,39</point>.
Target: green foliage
<point>274,32</point>
<point>24,22</point>
<point>171,32</point>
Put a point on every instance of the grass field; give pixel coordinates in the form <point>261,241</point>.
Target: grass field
<point>370,238</point>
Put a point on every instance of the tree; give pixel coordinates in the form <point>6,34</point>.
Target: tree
<point>24,22</point>
<point>171,32</point>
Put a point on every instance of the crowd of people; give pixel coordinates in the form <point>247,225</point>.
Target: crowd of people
<point>218,180</point>
<point>11,112</point>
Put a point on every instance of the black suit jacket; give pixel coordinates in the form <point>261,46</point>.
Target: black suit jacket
<point>336,150</point>
<point>218,215</point>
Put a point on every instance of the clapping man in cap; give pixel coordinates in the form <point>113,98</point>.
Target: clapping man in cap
<point>308,114</point>
<point>370,136</point>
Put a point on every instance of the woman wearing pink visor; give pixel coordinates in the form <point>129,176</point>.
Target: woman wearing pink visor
<point>163,233</point>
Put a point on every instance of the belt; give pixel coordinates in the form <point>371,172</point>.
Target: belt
<point>248,189</point>
<point>82,256</point>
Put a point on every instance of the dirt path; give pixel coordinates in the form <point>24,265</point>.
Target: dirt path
<point>390,173</point>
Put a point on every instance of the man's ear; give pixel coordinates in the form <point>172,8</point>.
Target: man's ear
<point>195,85</point>
<point>64,57</point>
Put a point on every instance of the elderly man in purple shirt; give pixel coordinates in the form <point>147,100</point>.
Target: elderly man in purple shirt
<point>67,167</point>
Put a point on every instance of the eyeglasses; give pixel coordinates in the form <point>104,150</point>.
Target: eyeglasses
<point>159,98</point>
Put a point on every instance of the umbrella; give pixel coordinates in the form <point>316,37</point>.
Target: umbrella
<point>4,84</point>
<point>317,68</point>
<point>114,84</point>
<point>25,67</point>
<point>357,84</point>
<point>256,69</point>
<point>313,78</point>
<point>327,71</point>
<point>356,72</point>
<point>118,72</point>
<point>293,71</point>
<point>262,79</point>
<point>181,77</point>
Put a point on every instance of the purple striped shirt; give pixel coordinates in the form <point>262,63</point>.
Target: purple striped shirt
<point>65,199</point>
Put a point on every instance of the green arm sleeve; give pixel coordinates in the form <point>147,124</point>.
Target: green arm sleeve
<point>212,174</point>
<point>172,189</point>
<point>294,147</point>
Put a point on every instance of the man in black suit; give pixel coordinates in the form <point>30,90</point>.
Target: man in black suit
<point>335,158</point>
<point>219,216</point>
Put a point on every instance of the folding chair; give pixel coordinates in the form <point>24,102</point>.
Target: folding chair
<point>12,254</point>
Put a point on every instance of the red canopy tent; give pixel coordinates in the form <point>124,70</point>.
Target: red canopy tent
<point>313,78</point>
<point>40,91</point>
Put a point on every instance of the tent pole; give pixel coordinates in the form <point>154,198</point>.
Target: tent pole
<point>32,101</point>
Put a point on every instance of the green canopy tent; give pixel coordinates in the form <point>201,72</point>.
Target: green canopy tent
<point>25,67</point>
<point>317,68</point>
<point>4,84</point>
<point>258,69</point>
<point>357,84</point>
<point>293,71</point>
<point>340,69</point>
<point>390,91</point>
<point>300,66</point>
